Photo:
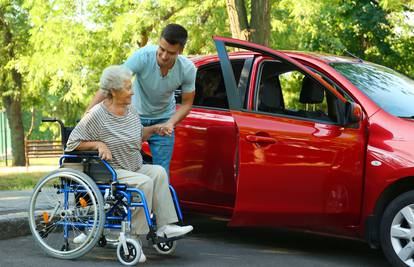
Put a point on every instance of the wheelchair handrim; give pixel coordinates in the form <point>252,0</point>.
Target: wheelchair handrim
<point>32,221</point>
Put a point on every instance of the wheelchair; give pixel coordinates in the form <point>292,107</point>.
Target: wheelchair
<point>68,202</point>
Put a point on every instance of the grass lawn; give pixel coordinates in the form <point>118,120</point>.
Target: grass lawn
<point>20,181</point>
<point>39,161</point>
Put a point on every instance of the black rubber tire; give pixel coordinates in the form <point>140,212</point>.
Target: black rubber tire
<point>388,216</point>
<point>66,172</point>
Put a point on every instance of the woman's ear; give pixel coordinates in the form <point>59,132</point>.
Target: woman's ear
<point>111,93</point>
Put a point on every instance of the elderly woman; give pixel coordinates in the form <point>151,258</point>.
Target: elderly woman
<point>113,128</point>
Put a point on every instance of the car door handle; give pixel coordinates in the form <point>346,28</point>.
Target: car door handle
<point>260,139</point>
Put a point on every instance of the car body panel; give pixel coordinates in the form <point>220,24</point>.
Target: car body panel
<point>310,177</point>
<point>259,169</point>
<point>390,155</point>
<point>203,161</point>
<point>295,172</point>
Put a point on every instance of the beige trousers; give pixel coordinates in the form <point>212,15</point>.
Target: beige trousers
<point>153,181</point>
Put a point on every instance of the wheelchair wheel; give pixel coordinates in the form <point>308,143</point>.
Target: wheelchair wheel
<point>166,248</point>
<point>134,252</point>
<point>66,204</point>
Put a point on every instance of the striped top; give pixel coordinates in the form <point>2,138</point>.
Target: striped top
<point>121,134</point>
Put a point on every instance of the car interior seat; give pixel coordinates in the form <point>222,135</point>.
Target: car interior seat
<point>270,96</point>
<point>312,93</point>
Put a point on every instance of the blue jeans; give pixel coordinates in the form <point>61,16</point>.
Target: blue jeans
<point>161,146</point>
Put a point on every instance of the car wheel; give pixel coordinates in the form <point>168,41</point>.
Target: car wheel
<point>397,231</point>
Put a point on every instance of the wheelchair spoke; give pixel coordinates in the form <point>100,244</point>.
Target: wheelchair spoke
<point>64,206</point>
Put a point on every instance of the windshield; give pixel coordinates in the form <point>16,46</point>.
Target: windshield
<point>389,89</point>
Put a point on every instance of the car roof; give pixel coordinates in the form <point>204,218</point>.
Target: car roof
<point>304,55</point>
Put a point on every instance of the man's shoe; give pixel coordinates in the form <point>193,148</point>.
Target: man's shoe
<point>80,239</point>
<point>172,230</point>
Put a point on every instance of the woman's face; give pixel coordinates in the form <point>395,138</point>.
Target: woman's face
<point>123,96</point>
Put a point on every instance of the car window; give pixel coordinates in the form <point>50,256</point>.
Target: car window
<point>210,88</point>
<point>284,90</point>
<point>389,89</point>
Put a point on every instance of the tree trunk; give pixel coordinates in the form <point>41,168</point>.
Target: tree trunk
<point>27,136</point>
<point>260,22</point>
<point>14,117</point>
<point>12,102</point>
<point>239,25</point>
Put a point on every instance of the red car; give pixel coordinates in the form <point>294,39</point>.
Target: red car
<point>301,140</point>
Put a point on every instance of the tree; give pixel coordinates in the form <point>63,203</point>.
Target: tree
<point>365,28</point>
<point>258,30</point>
<point>14,31</point>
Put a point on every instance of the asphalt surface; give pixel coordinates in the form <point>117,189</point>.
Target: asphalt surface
<point>214,244</point>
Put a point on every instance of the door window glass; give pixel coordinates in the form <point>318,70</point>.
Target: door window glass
<point>287,91</point>
<point>210,88</point>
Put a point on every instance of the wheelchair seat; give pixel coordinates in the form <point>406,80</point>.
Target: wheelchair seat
<point>89,163</point>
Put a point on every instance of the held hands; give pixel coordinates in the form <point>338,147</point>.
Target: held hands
<point>165,128</point>
<point>104,152</point>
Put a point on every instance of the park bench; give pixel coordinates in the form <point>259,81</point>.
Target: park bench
<point>42,149</point>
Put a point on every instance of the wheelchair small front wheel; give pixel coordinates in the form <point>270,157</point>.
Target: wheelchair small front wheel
<point>166,248</point>
<point>66,215</point>
<point>134,252</point>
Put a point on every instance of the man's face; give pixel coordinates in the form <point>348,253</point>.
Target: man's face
<point>167,53</point>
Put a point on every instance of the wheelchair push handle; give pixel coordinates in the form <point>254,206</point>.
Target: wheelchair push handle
<point>49,119</point>
<point>53,120</point>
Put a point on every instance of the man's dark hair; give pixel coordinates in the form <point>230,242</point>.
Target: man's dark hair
<point>175,34</point>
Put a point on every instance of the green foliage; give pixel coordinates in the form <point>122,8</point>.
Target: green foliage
<point>291,84</point>
<point>379,32</point>
<point>14,26</point>
<point>74,40</point>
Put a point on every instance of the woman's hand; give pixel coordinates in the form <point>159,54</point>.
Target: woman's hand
<point>166,128</point>
<point>104,152</point>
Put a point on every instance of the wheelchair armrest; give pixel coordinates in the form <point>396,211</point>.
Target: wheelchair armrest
<point>83,153</point>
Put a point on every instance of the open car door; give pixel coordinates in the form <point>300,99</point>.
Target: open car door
<point>292,171</point>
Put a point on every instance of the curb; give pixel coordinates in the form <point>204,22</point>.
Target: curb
<point>14,225</point>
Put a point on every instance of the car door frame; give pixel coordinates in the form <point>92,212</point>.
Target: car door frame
<point>234,98</point>
<point>236,106</point>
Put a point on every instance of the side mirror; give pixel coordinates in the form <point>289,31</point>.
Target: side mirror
<point>353,113</point>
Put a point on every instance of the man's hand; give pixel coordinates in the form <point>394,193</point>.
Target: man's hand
<point>104,152</point>
<point>166,128</point>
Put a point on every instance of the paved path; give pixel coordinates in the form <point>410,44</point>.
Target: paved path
<point>214,244</point>
<point>211,244</point>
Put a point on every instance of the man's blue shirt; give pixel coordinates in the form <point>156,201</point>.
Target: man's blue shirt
<point>153,93</point>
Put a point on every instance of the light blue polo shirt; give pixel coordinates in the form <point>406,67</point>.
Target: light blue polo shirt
<point>153,93</point>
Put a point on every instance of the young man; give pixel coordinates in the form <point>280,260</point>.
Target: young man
<point>159,71</point>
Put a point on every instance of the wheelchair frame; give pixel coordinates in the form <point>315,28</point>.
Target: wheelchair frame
<point>116,213</point>
<point>126,193</point>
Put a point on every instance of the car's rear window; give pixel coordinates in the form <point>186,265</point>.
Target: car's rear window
<point>389,89</point>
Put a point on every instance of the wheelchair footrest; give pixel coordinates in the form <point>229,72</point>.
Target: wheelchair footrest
<point>158,239</point>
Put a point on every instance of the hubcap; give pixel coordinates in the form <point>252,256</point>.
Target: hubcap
<point>402,234</point>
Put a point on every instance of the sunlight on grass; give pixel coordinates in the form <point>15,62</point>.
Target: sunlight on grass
<point>20,181</point>
<point>33,162</point>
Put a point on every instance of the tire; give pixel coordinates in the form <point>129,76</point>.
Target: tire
<point>167,248</point>
<point>396,231</point>
<point>134,251</point>
<point>51,211</point>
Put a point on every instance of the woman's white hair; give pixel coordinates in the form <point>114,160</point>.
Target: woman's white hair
<point>113,78</point>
